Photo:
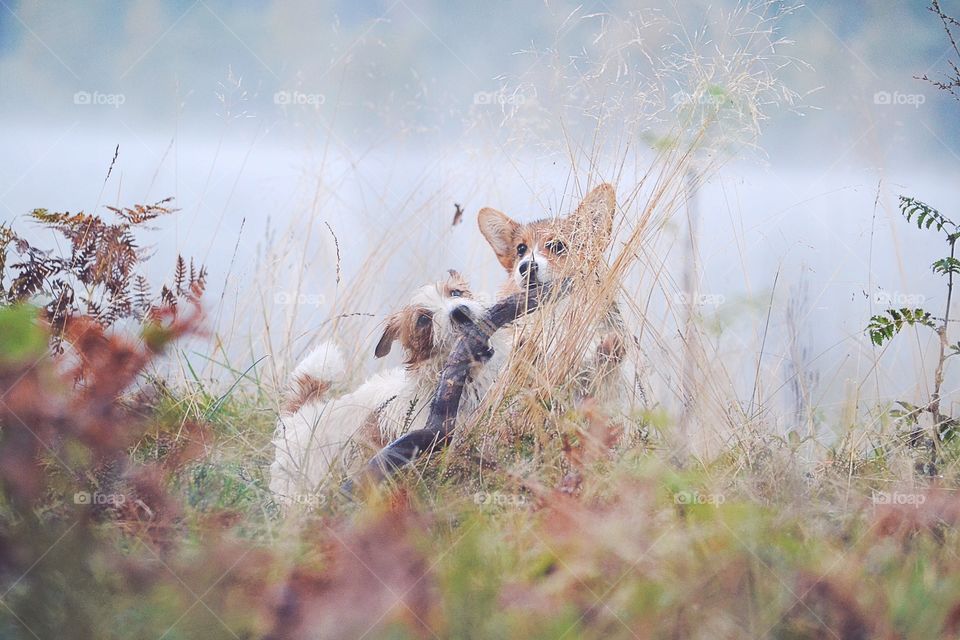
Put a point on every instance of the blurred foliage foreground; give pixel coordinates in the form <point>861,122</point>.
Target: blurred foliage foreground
<point>143,515</point>
<point>134,508</point>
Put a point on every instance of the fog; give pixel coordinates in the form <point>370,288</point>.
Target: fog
<point>299,138</point>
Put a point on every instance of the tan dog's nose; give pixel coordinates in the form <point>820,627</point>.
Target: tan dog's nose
<point>528,266</point>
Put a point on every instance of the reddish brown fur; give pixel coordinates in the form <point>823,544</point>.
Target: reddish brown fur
<point>304,389</point>
<point>417,341</point>
<point>456,282</point>
<point>536,233</point>
<point>584,234</point>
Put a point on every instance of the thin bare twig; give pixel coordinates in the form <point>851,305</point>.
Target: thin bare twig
<point>336,243</point>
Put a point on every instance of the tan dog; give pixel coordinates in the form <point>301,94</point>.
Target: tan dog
<point>582,338</point>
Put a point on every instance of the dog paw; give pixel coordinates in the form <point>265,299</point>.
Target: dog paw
<point>482,353</point>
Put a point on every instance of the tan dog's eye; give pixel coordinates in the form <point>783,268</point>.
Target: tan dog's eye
<point>557,247</point>
<point>521,249</point>
<point>423,320</point>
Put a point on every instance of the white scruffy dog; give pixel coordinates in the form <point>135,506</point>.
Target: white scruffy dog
<point>315,434</point>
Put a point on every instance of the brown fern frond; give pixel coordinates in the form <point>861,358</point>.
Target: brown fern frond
<point>200,285</point>
<point>141,294</point>
<point>34,271</point>
<point>65,218</point>
<point>62,300</point>
<point>103,262</point>
<point>180,275</point>
<point>7,237</point>
<point>140,213</point>
<point>121,305</point>
<point>168,297</point>
<point>93,308</point>
<point>124,255</point>
<point>197,282</point>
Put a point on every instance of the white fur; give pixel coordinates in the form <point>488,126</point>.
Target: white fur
<point>325,363</point>
<point>619,391</point>
<point>322,436</point>
<point>317,437</point>
<point>538,256</point>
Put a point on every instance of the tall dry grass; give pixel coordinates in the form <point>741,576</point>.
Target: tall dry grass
<point>691,512</point>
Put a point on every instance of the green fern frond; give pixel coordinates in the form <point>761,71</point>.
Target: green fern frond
<point>946,266</point>
<point>884,326</point>
<point>926,216</point>
<point>140,213</point>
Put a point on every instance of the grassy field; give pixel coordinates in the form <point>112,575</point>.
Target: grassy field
<point>149,517</point>
<point>134,497</point>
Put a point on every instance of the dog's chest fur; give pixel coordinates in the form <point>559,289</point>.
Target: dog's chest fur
<point>557,327</point>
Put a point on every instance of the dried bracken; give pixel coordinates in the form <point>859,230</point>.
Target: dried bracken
<point>98,276</point>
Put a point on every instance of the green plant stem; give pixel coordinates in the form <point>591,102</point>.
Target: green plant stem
<point>938,418</point>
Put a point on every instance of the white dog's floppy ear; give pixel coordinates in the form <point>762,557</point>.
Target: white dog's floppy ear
<point>390,333</point>
<point>499,230</point>
<point>593,219</point>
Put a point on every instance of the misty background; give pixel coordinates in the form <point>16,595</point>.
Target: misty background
<point>304,141</point>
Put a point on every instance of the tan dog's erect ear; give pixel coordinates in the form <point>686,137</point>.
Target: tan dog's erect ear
<point>593,219</point>
<point>499,230</point>
<point>598,206</point>
<point>390,333</point>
